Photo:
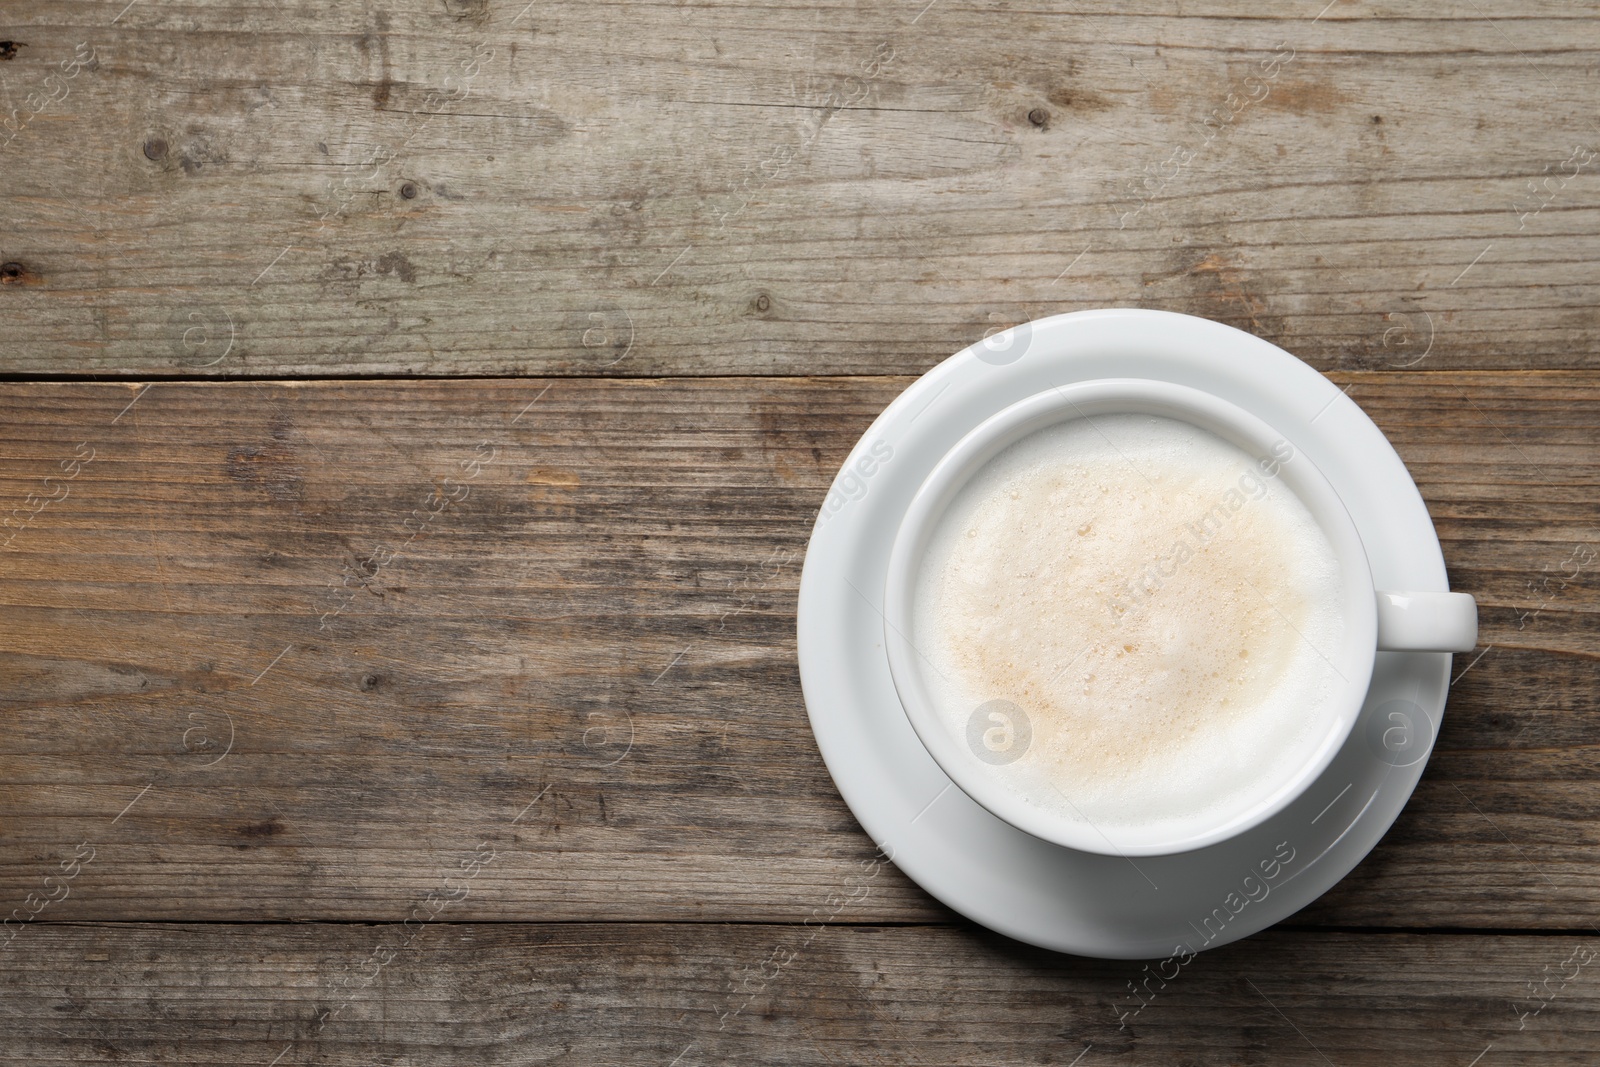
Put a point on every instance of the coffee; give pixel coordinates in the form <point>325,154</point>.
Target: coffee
<point>1152,603</point>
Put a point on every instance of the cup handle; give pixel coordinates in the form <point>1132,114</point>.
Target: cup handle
<point>1427,622</point>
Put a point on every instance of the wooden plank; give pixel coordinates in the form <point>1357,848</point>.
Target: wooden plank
<point>572,189</point>
<point>556,618</point>
<point>690,995</point>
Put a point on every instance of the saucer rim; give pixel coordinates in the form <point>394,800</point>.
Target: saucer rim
<point>1071,344</point>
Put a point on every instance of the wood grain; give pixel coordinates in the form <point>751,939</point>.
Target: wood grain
<point>476,188</point>
<point>502,660</point>
<point>705,994</point>
<point>582,654</point>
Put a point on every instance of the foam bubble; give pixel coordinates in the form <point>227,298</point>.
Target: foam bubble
<point>1155,600</point>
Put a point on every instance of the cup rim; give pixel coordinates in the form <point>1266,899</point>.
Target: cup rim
<point>1051,407</point>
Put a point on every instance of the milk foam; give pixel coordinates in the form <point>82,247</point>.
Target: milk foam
<point>1157,602</point>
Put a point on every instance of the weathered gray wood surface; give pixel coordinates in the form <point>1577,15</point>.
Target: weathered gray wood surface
<point>476,187</point>
<point>696,995</point>
<point>602,617</point>
<point>278,658</point>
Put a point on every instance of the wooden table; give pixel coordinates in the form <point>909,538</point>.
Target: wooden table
<point>415,415</point>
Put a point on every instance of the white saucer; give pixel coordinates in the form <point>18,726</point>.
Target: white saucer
<point>1017,884</point>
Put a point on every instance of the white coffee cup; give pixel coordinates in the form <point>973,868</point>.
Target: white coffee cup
<point>1373,620</point>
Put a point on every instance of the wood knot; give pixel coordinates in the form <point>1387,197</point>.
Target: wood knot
<point>468,10</point>
<point>397,264</point>
<point>266,828</point>
<point>271,466</point>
